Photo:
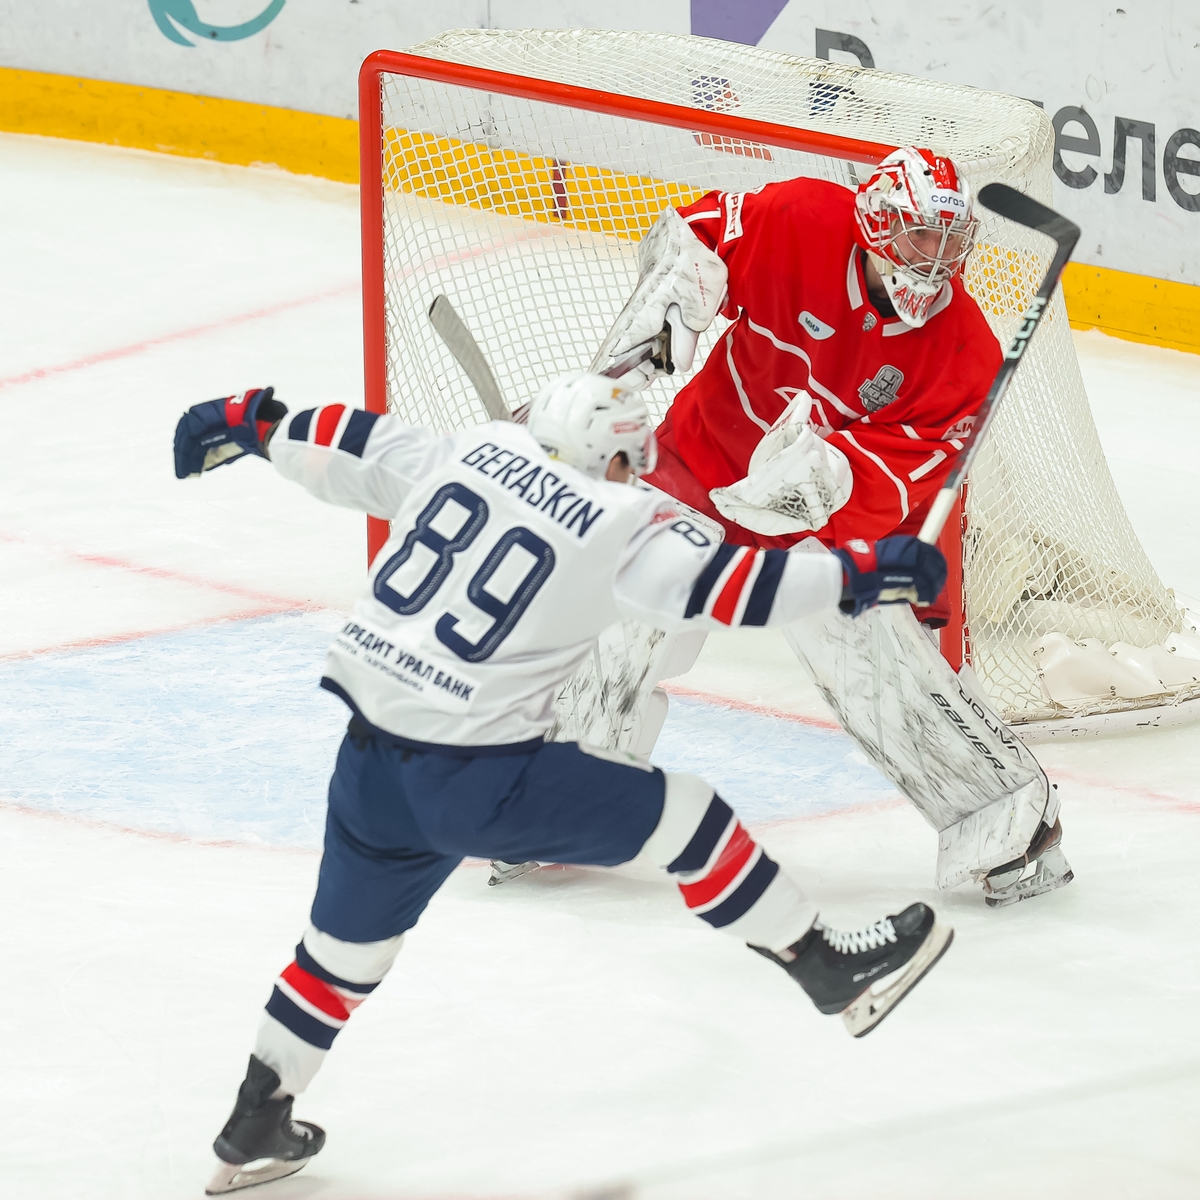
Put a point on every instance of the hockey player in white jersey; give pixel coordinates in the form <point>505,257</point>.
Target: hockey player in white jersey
<point>512,548</point>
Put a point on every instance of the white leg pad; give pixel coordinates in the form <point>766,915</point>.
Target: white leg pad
<point>613,699</point>
<point>355,962</point>
<point>931,732</point>
<point>684,805</point>
<point>993,835</point>
<point>654,716</point>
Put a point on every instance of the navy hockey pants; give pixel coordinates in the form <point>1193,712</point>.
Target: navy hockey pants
<point>400,820</point>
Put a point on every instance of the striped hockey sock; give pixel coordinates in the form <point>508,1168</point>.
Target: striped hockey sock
<point>310,1003</point>
<point>728,880</point>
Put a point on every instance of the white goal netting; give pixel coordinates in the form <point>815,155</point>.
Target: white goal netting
<point>527,214</point>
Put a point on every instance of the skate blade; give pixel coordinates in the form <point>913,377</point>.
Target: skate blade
<point>502,872</point>
<point>232,1177</point>
<point>1050,872</point>
<point>863,1014</point>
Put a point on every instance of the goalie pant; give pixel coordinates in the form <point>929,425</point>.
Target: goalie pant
<point>400,821</point>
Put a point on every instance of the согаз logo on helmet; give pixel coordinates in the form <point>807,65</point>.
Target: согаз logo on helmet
<point>172,15</point>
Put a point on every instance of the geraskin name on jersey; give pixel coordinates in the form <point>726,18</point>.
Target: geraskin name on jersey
<point>436,682</point>
<point>538,487</point>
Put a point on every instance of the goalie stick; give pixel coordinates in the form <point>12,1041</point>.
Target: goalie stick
<point>465,349</point>
<point>466,352</point>
<point>1015,206</point>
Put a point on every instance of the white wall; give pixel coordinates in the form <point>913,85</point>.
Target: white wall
<point>1135,67</point>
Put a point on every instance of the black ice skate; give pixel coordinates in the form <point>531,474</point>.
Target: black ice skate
<point>1042,868</point>
<point>261,1130</point>
<point>863,975</point>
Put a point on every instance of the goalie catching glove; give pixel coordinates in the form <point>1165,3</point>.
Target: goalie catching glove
<point>896,570</point>
<point>681,285</point>
<point>795,482</point>
<point>220,431</point>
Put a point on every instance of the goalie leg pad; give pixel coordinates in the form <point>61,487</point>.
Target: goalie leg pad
<point>931,733</point>
<point>612,701</point>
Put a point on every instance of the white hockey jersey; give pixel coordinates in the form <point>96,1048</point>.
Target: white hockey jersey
<point>503,567</point>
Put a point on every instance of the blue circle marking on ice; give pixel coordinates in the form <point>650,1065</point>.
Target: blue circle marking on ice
<point>168,14</point>
<point>221,732</point>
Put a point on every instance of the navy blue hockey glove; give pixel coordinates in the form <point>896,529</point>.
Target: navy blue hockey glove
<point>895,570</point>
<point>219,431</point>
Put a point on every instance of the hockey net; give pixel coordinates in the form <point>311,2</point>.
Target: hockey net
<point>515,172</point>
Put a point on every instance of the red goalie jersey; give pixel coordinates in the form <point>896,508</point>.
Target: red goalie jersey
<point>898,401</point>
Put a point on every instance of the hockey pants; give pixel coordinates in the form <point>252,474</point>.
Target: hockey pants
<point>400,820</point>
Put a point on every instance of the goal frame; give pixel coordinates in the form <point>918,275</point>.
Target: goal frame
<point>955,640</point>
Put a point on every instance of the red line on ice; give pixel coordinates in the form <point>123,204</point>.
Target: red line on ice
<point>151,835</point>
<point>1178,803</point>
<point>167,573</point>
<point>179,335</point>
<point>137,635</point>
<point>763,710</point>
<point>264,604</point>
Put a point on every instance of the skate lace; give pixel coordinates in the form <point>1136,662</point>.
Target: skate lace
<point>858,940</point>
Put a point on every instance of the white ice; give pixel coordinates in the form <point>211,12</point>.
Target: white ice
<point>165,751</point>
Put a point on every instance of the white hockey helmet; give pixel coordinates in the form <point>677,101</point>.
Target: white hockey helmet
<point>915,218</point>
<point>585,419</point>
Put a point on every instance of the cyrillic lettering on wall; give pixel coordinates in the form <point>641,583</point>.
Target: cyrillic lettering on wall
<point>1123,130</point>
<point>1075,145</point>
<point>1174,166</point>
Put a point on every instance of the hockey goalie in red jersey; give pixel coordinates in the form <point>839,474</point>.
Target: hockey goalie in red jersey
<point>833,408</point>
<point>837,400</point>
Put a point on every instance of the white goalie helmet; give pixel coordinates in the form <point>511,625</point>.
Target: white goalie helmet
<point>914,217</point>
<point>586,419</point>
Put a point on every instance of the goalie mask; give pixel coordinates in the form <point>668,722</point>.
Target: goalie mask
<point>585,419</point>
<point>914,219</point>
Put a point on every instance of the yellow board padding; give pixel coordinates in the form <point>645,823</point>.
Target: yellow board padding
<point>529,186</point>
<point>1138,308</point>
<point>1003,280</point>
<point>146,118</point>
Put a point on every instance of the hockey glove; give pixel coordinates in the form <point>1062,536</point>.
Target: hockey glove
<point>895,570</point>
<point>220,431</point>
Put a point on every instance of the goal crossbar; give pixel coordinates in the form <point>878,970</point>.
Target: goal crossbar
<point>373,146</point>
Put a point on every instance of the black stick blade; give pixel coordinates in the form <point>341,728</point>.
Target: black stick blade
<point>1024,210</point>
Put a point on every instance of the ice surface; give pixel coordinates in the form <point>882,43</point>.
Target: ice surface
<point>165,750</point>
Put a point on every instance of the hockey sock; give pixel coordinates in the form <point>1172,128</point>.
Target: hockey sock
<point>725,877</point>
<point>313,998</point>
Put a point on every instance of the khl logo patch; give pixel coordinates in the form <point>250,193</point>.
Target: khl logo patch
<point>168,14</point>
<point>879,392</point>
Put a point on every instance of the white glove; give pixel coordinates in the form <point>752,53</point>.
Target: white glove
<point>796,480</point>
<point>681,282</point>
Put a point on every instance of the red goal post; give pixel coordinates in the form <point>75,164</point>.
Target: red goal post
<point>700,122</point>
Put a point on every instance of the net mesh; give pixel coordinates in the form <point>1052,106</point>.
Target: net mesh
<point>527,216</point>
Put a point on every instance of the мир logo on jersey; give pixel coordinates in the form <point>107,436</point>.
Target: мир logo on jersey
<point>879,392</point>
